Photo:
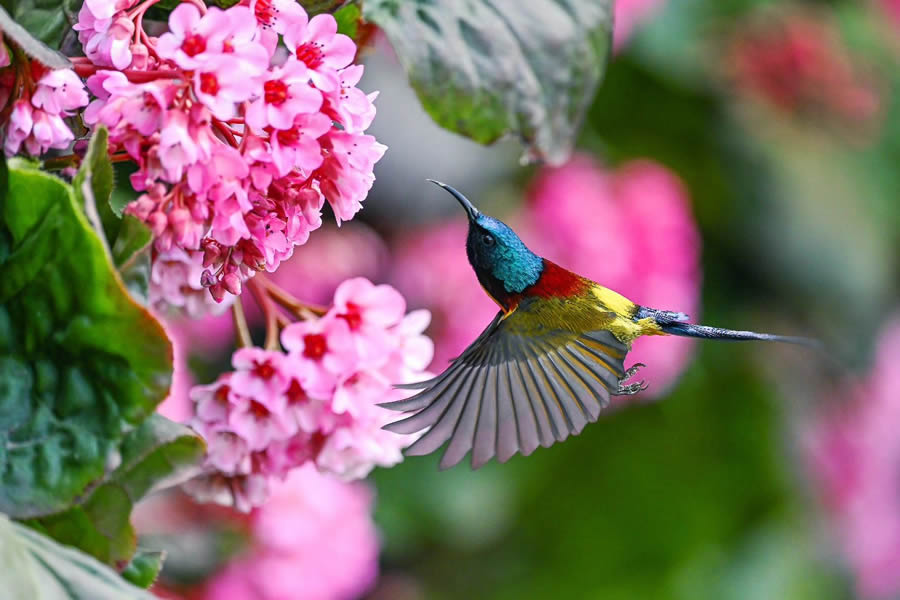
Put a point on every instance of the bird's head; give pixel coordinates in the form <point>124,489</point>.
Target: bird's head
<point>503,263</point>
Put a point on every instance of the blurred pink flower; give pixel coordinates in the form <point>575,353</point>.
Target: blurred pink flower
<point>430,268</point>
<point>892,8</point>
<point>313,540</point>
<point>799,64</point>
<point>855,454</point>
<point>629,14</point>
<point>330,257</point>
<point>631,230</point>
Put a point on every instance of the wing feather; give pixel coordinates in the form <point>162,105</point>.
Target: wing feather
<point>464,429</point>
<point>520,385</point>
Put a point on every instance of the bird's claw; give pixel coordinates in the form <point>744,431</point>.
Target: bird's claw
<point>629,389</point>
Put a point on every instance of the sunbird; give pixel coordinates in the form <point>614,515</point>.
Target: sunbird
<point>546,365</point>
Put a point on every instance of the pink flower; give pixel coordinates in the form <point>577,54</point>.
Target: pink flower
<point>59,91</point>
<point>177,147</point>
<point>276,16</point>
<point>286,94</point>
<point>261,420</point>
<point>193,39</point>
<point>259,373</point>
<point>320,47</point>
<point>213,401</point>
<point>314,540</point>
<point>629,15</point>
<point>326,342</point>
<point>223,81</point>
<point>650,246</point>
<point>19,128</point>
<point>349,105</point>
<point>799,65</point>
<point>105,9</point>
<point>369,311</point>
<point>348,170</point>
<point>175,284</point>
<point>243,40</point>
<point>854,452</point>
<point>106,40</point>
<point>298,146</point>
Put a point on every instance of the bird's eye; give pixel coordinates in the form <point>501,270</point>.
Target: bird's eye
<point>487,239</point>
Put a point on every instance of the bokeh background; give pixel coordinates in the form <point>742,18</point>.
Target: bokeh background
<point>741,162</point>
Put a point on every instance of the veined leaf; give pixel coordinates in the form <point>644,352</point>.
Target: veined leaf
<point>36,567</point>
<point>80,362</point>
<point>489,68</point>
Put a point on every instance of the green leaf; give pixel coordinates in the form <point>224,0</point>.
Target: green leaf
<point>347,18</point>
<point>158,454</point>
<point>80,362</point>
<point>488,68</point>
<point>131,254</point>
<point>39,26</point>
<point>144,568</point>
<point>93,184</point>
<point>36,567</point>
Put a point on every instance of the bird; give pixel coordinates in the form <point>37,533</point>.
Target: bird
<point>545,366</point>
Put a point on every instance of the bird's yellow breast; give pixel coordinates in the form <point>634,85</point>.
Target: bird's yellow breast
<point>623,326</point>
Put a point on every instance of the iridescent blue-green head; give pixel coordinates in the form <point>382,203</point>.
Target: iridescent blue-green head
<point>503,263</point>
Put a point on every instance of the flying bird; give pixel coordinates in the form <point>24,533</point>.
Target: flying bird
<point>546,365</point>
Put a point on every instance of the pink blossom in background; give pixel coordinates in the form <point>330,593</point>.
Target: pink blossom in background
<point>854,452</point>
<point>330,257</point>
<point>798,64</point>
<point>313,540</point>
<point>316,402</point>
<point>630,229</point>
<point>430,268</point>
<point>629,14</point>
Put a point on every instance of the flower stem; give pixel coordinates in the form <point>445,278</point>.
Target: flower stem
<point>241,328</point>
<point>289,301</point>
<point>270,311</point>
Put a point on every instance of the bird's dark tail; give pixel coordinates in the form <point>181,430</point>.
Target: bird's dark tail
<point>675,323</point>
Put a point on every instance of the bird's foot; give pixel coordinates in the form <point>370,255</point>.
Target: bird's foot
<point>629,389</point>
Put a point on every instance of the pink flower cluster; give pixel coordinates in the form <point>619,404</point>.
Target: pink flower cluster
<point>855,454</point>
<point>44,100</point>
<point>317,401</point>
<point>632,230</point>
<point>637,218</point>
<point>313,540</point>
<point>238,145</point>
<point>797,63</point>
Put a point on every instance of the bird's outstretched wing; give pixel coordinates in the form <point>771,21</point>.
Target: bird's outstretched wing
<point>524,382</point>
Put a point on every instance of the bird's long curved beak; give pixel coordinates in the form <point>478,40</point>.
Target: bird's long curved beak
<point>471,211</point>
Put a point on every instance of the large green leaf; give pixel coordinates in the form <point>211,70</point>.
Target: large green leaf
<point>488,68</point>
<point>80,362</point>
<point>157,454</point>
<point>37,568</point>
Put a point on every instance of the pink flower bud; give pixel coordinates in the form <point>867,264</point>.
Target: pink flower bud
<point>232,283</point>
<point>157,222</point>
<point>207,279</point>
<point>217,291</point>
